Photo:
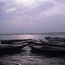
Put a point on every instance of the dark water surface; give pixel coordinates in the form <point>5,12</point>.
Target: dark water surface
<point>26,56</point>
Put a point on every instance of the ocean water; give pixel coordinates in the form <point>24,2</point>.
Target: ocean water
<point>40,36</point>
<point>26,56</point>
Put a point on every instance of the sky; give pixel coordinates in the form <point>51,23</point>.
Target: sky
<point>32,16</point>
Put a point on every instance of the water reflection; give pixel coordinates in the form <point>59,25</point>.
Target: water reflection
<point>7,37</point>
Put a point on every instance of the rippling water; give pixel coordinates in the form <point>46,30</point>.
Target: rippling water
<point>26,56</point>
<point>7,37</point>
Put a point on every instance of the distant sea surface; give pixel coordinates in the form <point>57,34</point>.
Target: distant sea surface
<point>26,57</point>
<point>34,36</point>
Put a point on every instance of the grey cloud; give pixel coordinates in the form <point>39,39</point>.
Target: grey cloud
<point>60,0</point>
<point>41,7</point>
<point>23,19</point>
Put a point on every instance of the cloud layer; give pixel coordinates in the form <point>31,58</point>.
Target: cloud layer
<point>32,16</point>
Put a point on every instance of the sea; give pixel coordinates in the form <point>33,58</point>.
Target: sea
<point>26,56</point>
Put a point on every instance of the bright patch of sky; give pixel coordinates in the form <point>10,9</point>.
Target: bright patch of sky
<point>32,16</point>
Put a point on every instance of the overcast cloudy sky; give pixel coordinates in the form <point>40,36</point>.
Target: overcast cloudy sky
<point>32,16</point>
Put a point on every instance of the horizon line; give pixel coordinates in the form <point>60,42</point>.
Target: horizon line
<point>32,33</point>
